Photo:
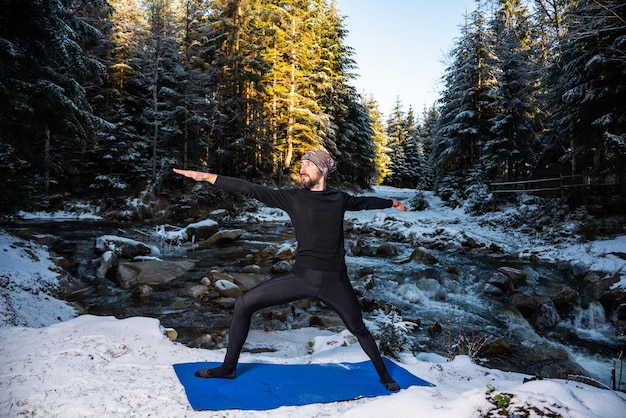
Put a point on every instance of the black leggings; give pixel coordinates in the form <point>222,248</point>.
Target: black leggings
<point>331,287</point>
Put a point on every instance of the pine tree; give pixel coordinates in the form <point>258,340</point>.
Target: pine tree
<point>593,77</point>
<point>429,119</point>
<point>292,51</point>
<point>117,157</point>
<point>398,133</point>
<point>238,143</point>
<point>349,135</point>
<point>415,164</point>
<point>550,35</point>
<point>379,139</point>
<point>192,111</point>
<point>45,119</point>
<point>514,124</point>
<point>161,67</point>
<point>408,164</point>
<point>463,125</point>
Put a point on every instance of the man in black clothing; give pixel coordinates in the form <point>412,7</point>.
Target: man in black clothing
<point>319,270</point>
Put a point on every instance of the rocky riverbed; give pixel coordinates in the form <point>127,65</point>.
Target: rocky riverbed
<point>471,298</point>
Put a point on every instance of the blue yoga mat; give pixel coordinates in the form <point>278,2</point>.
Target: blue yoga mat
<point>260,386</point>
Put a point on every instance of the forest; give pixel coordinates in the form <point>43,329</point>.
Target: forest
<point>99,99</point>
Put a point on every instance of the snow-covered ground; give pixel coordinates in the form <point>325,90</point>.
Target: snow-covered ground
<point>56,364</point>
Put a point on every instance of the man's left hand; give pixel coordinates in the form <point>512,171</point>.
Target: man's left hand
<point>398,205</point>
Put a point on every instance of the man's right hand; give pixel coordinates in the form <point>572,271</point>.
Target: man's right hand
<point>197,175</point>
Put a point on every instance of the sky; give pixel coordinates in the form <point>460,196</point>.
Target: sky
<point>54,363</point>
<point>401,47</point>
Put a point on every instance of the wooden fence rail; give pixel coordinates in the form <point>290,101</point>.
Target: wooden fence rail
<point>559,186</point>
<point>560,183</point>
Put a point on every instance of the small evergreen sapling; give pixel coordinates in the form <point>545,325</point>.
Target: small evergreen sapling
<point>392,332</point>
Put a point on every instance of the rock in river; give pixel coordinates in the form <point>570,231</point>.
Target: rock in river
<point>150,272</point>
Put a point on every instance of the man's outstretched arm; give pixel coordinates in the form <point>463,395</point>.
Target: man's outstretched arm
<point>197,175</point>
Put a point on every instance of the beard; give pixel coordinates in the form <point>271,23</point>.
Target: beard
<point>308,182</point>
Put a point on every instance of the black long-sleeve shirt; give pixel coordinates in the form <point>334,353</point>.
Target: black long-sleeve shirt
<point>317,217</point>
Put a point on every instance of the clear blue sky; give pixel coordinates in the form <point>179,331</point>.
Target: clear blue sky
<point>401,47</point>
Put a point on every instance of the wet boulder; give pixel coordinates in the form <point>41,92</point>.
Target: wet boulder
<point>227,289</point>
<point>281,267</point>
<point>539,359</point>
<point>501,281</point>
<point>278,313</point>
<point>364,273</point>
<point>611,296</point>
<point>247,281</point>
<point>122,247</point>
<point>202,230</point>
<point>489,289</point>
<point>268,252</point>
<point>619,317</point>
<point>225,302</point>
<point>494,346</point>
<point>251,269</point>
<point>285,252</point>
<point>113,249</point>
<point>215,275</point>
<point>225,237</point>
<point>469,242</point>
<point>149,272</point>
<point>545,316</point>
<point>325,321</point>
<point>194,291</point>
<point>525,304</point>
<point>565,300</point>
<point>361,248</point>
<point>142,292</point>
<point>204,341</point>
<point>422,255</point>
<point>386,250</point>
<point>539,312</point>
<point>495,248</point>
<point>104,264</point>
<point>518,277</point>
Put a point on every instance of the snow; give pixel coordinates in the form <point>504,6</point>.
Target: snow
<point>27,278</point>
<point>106,243</point>
<point>83,212</point>
<point>54,363</point>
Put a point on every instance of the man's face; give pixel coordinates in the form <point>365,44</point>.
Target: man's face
<point>310,175</point>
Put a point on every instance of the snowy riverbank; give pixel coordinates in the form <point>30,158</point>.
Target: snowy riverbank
<point>53,364</point>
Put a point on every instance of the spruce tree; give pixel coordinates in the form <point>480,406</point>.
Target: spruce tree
<point>429,119</point>
<point>195,80</point>
<point>380,140</point>
<point>349,136</point>
<point>398,133</point>
<point>112,156</point>
<point>237,143</point>
<point>292,52</point>
<point>45,119</point>
<point>593,77</point>
<point>515,122</point>
<point>463,125</point>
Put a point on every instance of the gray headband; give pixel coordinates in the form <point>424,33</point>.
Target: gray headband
<point>322,160</point>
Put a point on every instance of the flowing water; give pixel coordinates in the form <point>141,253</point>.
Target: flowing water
<point>448,293</point>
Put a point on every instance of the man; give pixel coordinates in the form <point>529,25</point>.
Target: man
<point>319,270</point>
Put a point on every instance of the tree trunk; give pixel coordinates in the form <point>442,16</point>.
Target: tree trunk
<point>47,159</point>
<point>292,99</point>
<point>155,100</point>
<point>155,97</point>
